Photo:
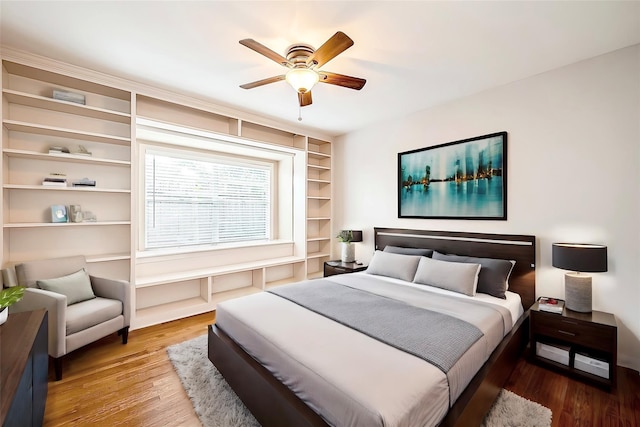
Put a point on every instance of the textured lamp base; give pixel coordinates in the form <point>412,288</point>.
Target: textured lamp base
<point>577,292</point>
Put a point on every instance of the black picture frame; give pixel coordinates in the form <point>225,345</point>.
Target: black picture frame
<point>465,179</point>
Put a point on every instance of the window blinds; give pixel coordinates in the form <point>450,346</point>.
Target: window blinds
<point>191,202</point>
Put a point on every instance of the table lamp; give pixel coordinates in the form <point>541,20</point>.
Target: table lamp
<point>579,258</point>
<point>348,250</point>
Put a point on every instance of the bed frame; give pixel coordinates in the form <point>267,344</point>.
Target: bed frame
<point>273,404</point>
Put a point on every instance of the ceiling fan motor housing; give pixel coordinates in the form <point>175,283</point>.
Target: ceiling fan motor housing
<point>299,53</point>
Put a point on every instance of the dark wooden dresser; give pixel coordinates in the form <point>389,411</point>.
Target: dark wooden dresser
<point>24,363</point>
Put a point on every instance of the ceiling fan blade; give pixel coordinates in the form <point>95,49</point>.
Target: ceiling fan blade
<point>263,50</point>
<point>341,80</point>
<point>337,44</point>
<point>262,82</point>
<point>304,98</point>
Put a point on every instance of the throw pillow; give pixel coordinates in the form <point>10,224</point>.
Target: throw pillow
<point>76,286</point>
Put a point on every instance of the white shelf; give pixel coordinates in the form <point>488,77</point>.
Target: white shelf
<point>318,254</point>
<point>169,311</point>
<point>72,158</point>
<point>143,282</point>
<point>318,155</point>
<point>37,101</point>
<point>318,239</point>
<point>55,188</point>
<point>64,224</point>
<point>18,126</point>
<point>218,297</point>
<point>107,258</point>
<point>318,167</point>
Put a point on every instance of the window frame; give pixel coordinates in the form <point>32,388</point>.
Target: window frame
<point>212,157</point>
<point>151,134</point>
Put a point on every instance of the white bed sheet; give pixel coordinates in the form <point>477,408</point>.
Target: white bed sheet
<point>350,379</point>
<point>513,302</point>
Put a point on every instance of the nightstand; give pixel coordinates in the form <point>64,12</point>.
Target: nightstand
<point>332,268</point>
<point>575,343</point>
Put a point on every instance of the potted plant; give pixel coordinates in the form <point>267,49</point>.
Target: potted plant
<point>348,250</point>
<point>8,297</point>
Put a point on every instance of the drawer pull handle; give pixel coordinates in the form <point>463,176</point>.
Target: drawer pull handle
<point>566,333</point>
<point>570,322</point>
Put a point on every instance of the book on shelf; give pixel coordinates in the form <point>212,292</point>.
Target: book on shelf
<point>54,181</point>
<point>84,182</point>
<point>56,149</point>
<point>551,305</point>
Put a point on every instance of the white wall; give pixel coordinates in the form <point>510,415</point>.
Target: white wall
<point>573,173</point>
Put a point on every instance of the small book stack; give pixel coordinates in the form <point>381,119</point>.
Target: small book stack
<point>84,182</point>
<point>551,305</point>
<point>55,149</point>
<point>55,181</point>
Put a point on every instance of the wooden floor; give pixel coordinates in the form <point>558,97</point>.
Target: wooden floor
<point>110,384</point>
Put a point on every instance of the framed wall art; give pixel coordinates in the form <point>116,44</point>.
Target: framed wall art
<point>464,179</point>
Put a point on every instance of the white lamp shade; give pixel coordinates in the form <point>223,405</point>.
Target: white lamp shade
<point>302,79</point>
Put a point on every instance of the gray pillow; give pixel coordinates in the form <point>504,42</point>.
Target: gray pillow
<point>76,286</point>
<point>494,274</point>
<point>453,276</point>
<point>394,265</point>
<point>408,251</point>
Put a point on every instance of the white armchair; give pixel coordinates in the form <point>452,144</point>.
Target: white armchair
<point>79,323</point>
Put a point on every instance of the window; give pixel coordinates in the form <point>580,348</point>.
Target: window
<point>194,199</point>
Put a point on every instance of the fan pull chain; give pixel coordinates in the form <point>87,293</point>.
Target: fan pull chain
<point>299,113</point>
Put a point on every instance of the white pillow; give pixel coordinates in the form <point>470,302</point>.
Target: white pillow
<point>453,276</point>
<point>399,266</point>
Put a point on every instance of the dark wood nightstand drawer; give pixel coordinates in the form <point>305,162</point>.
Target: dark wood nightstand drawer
<point>575,332</point>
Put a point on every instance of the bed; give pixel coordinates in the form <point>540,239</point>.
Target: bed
<point>267,345</point>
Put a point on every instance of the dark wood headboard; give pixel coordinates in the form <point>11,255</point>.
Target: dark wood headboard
<point>520,248</point>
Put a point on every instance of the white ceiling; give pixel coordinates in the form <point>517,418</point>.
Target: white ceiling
<point>414,55</point>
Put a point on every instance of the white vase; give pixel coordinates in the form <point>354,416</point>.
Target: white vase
<point>4,314</point>
<point>348,252</point>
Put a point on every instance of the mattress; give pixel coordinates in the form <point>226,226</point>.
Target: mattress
<point>351,379</point>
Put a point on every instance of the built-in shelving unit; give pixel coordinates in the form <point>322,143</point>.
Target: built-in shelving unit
<point>32,122</point>
<point>107,125</point>
<point>319,206</point>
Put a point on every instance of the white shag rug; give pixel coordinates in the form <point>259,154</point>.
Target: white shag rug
<point>217,405</point>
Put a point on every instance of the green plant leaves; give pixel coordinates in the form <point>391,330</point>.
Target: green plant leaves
<point>11,296</point>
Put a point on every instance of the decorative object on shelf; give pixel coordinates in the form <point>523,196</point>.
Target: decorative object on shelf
<point>579,258</point>
<point>59,213</point>
<point>8,297</point>
<point>346,237</point>
<point>82,151</point>
<point>84,182</point>
<point>64,95</point>
<point>88,216</point>
<point>551,305</point>
<point>75,213</point>
<point>464,179</point>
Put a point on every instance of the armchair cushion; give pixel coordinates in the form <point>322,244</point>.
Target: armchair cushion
<point>86,314</point>
<point>76,286</point>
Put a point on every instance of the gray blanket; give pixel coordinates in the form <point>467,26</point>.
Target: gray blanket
<point>435,337</point>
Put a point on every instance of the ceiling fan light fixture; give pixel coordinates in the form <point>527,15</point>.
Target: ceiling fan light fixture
<point>302,79</point>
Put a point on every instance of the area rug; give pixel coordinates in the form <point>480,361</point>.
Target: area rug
<point>217,405</point>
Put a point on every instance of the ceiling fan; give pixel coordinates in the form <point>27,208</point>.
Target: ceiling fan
<point>304,62</point>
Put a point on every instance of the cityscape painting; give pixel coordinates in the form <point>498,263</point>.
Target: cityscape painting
<point>464,179</point>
